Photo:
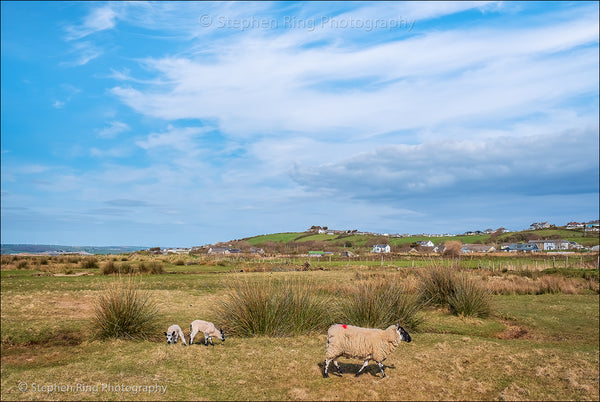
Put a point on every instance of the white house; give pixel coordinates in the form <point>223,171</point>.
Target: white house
<point>427,243</point>
<point>381,248</point>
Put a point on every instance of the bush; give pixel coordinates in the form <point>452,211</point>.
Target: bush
<point>89,262</point>
<point>469,298</point>
<point>445,287</point>
<point>274,308</point>
<point>437,285</point>
<point>153,267</point>
<point>124,311</point>
<point>379,305</point>
<point>108,268</point>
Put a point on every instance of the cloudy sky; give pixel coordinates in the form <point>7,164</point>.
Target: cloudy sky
<point>181,124</point>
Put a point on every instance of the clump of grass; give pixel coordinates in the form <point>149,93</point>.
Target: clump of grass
<point>469,298</point>
<point>153,267</point>
<point>108,268</point>
<point>445,287</point>
<point>274,308</point>
<point>437,285</point>
<point>179,261</point>
<point>89,263</point>
<point>125,311</point>
<point>22,264</point>
<point>379,304</point>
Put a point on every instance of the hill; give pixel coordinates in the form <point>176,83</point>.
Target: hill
<point>339,240</point>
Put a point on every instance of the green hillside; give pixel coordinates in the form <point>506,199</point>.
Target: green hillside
<point>361,241</point>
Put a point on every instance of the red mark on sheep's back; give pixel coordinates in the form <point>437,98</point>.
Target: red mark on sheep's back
<point>344,326</point>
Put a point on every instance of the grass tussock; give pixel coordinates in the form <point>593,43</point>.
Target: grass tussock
<point>125,311</point>
<point>462,294</point>
<point>378,304</point>
<point>287,307</point>
<point>469,298</point>
<point>124,268</point>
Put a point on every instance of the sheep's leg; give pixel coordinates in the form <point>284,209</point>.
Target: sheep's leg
<point>381,368</point>
<point>182,336</point>
<point>362,368</point>
<point>192,335</point>
<point>337,366</point>
<point>326,367</point>
<point>210,340</point>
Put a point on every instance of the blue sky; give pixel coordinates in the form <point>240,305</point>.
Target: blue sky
<point>181,124</point>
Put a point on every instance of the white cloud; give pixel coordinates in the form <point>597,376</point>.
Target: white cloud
<point>115,128</point>
<point>99,19</point>
<point>259,85</point>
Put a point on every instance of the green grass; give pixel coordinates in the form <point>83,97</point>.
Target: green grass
<point>531,347</point>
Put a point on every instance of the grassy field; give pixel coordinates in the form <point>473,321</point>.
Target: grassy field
<point>539,343</point>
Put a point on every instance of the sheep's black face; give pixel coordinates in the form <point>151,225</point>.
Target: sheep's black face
<point>171,338</point>
<point>222,335</point>
<point>403,334</point>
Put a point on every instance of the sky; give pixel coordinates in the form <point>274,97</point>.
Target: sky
<point>179,124</point>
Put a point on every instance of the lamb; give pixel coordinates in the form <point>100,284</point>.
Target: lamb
<point>209,330</point>
<point>362,343</point>
<point>174,333</point>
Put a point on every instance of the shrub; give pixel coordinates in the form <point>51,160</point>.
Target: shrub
<point>179,261</point>
<point>452,248</point>
<point>89,262</point>
<point>379,304</point>
<point>273,308</point>
<point>437,285</point>
<point>469,298</point>
<point>445,287</point>
<point>108,268</point>
<point>22,264</point>
<point>153,267</point>
<point>124,311</point>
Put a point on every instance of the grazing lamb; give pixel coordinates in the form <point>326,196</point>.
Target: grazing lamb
<point>174,333</point>
<point>209,330</point>
<point>362,343</point>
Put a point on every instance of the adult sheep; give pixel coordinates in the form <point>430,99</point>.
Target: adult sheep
<point>362,343</point>
<point>209,330</point>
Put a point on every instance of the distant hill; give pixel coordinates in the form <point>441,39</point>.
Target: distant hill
<point>57,249</point>
<point>338,240</point>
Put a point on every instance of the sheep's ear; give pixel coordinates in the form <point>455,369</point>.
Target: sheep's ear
<point>173,334</point>
<point>166,334</point>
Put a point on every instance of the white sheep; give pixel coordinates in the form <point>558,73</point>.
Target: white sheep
<point>174,333</point>
<point>209,330</point>
<point>362,343</point>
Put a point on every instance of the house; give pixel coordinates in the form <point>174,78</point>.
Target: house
<point>316,253</point>
<point>218,250</point>
<point>575,225</point>
<point>539,225</point>
<point>427,243</point>
<point>477,248</point>
<point>381,248</point>
<point>347,253</point>
<point>551,245</point>
<point>521,247</point>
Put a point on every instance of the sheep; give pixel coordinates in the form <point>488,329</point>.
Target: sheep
<point>209,330</point>
<point>362,343</point>
<point>174,333</point>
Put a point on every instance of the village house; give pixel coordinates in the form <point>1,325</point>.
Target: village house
<point>477,248</point>
<point>551,245</point>
<point>381,248</point>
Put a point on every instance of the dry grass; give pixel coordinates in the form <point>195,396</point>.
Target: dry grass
<point>531,348</point>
